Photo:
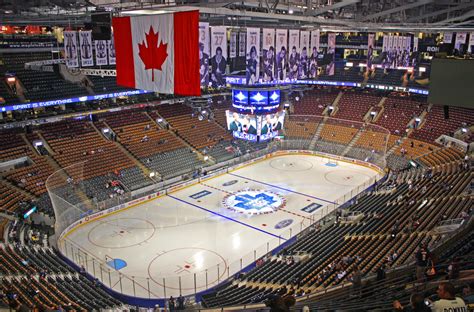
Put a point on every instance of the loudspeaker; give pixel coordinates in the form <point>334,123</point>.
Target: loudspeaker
<point>446,111</point>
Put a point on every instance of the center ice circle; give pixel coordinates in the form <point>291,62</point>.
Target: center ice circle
<point>290,164</point>
<point>254,202</point>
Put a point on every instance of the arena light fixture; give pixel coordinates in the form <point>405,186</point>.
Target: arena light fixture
<point>422,69</point>
<point>464,130</point>
<point>11,79</point>
<point>159,120</point>
<point>350,64</point>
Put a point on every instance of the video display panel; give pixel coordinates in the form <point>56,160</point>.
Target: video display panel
<point>255,128</point>
<point>242,126</point>
<point>270,125</point>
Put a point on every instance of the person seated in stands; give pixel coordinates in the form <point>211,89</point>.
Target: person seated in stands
<point>448,300</point>
<point>417,304</point>
<point>453,268</point>
<point>468,293</point>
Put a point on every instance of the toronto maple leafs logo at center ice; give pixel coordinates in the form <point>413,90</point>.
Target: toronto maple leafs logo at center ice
<point>254,202</point>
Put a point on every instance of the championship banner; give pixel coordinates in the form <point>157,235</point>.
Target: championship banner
<point>204,54</point>
<point>303,68</point>
<point>85,43</point>
<point>313,60</point>
<point>268,55</point>
<point>294,58</point>
<point>218,55</point>
<point>460,39</point>
<point>447,37</point>
<point>111,50</point>
<point>233,45</point>
<point>242,45</point>
<point>252,58</point>
<point>101,52</point>
<point>330,70</point>
<point>71,49</point>
<point>281,56</point>
<point>370,51</point>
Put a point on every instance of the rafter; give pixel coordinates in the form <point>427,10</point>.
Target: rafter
<point>457,18</point>
<point>334,6</point>
<point>444,11</point>
<point>397,9</point>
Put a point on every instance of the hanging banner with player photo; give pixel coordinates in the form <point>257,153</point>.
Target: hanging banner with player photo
<point>218,55</point>
<point>233,45</point>
<point>71,50</point>
<point>447,37</point>
<point>313,59</point>
<point>281,54</point>
<point>396,51</point>
<point>111,51</point>
<point>204,54</point>
<point>471,42</point>
<point>370,51</point>
<point>330,69</point>
<point>242,45</point>
<point>253,57</point>
<point>268,55</point>
<point>294,57</point>
<point>101,52</point>
<point>460,40</point>
<point>303,67</point>
<point>415,44</point>
<point>85,44</point>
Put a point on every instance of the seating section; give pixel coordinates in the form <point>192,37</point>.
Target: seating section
<point>39,84</point>
<point>436,125</point>
<point>314,102</point>
<point>398,112</point>
<point>339,134</point>
<point>355,105</point>
<point>396,219</point>
<point>41,279</point>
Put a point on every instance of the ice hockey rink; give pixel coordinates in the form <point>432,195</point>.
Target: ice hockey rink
<point>194,238</point>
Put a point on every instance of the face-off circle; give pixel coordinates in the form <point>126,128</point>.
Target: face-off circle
<point>254,202</point>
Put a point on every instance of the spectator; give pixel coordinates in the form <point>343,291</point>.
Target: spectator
<point>468,293</point>
<point>448,300</point>
<point>381,272</point>
<point>171,303</point>
<point>423,256</point>
<point>357,280</point>
<point>180,302</point>
<point>453,269</point>
<point>417,304</point>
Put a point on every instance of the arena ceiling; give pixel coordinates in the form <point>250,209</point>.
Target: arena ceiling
<point>336,15</point>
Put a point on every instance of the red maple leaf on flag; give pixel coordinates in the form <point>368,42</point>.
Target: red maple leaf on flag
<point>152,54</point>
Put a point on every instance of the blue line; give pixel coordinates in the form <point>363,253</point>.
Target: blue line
<point>282,188</point>
<point>218,214</point>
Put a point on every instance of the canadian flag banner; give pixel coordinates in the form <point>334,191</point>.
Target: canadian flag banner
<point>158,52</point>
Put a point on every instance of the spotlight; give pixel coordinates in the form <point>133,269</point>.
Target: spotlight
<point>297,98</point>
